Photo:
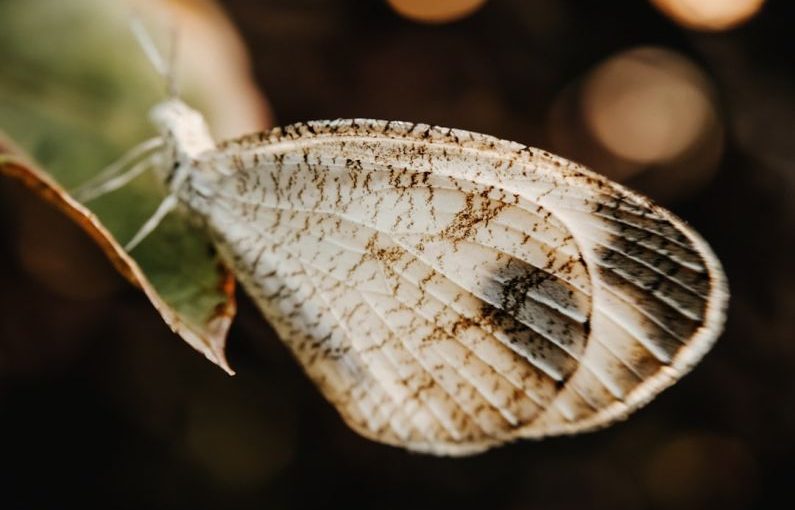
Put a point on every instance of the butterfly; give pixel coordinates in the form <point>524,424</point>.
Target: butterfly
<point>447,291</point>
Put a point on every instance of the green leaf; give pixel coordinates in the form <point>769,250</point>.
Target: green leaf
<point>75,91</point>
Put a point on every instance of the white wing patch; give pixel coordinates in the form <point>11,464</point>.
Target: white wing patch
<point>449,291</point>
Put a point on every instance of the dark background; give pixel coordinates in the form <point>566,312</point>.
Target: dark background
<point>101,405</point>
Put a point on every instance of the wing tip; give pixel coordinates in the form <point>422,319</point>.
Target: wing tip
<point>702,340</point>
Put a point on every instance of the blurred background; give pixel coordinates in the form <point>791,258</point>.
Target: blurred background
<point>690,101</point>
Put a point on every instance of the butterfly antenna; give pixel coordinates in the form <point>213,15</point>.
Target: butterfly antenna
<point>163,67</point>
<point>171,74</point>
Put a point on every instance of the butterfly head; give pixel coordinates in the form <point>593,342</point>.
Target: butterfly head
<point>183,127</point>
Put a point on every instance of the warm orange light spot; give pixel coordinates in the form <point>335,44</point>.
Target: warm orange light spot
<point>435,11</point>
<point>647,105</point>
<point>709,14</point>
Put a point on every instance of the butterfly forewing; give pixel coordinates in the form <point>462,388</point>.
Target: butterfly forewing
<point>449,291</point>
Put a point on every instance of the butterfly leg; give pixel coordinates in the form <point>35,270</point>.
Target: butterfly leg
<point>165,207</point>
<point>119,173</point>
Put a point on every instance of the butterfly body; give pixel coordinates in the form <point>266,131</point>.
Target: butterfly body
<point>446,290</point>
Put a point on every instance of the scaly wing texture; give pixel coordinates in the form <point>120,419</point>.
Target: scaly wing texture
<point>449,291</point>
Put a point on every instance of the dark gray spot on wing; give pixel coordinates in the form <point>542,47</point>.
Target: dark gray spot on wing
<point>665,288</point>
<point>533,303</point>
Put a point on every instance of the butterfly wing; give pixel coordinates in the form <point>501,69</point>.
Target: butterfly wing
<point>449,291</point>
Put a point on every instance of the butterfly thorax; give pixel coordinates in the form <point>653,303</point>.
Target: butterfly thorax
<point>185,133</point>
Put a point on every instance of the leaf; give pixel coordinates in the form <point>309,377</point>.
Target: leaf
<point>199,311</point>
<point>76,100</point>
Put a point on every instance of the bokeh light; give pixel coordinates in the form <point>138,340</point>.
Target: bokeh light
<point>647,116</point>
<point>437,11</point>
<point>709,14</point>
<point>646,105</point>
